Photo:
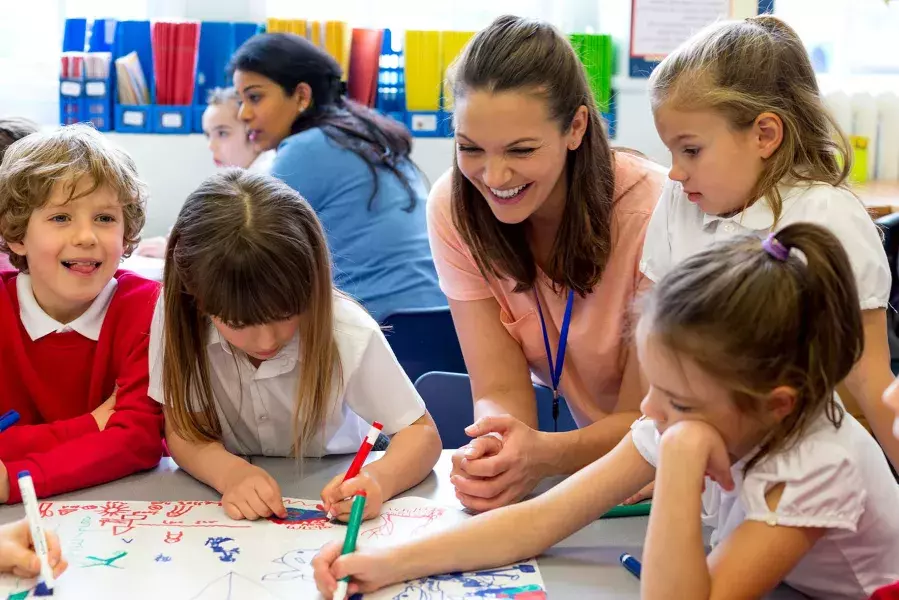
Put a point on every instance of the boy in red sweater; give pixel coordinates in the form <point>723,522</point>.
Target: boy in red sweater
<point>74,330</point>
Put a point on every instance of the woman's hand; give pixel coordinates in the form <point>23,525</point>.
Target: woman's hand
<point>501,466</point>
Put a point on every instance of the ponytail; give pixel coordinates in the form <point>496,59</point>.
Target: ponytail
<point>757,315</point>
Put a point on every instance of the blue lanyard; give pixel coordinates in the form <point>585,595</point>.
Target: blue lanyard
<point>555,372</point>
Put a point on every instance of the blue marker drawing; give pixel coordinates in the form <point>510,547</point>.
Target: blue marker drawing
<point>303,515</point>
<point>225,554</point>
<point>494,583</point>
<point>298,564</point>
<point>162,558</point>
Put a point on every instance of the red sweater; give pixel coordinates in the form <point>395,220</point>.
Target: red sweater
<point>56,381</point>
<point>890,592</point>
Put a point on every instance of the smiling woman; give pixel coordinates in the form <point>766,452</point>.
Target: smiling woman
<point>352,165</point>
<point>536,233</point>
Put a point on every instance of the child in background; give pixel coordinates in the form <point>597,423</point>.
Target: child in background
<point>742,344</point>
<point>227,139</point>
<point>227,135</point>
<point>254,352</point>
<point>753,150</point>
<point>73,352</point>
<point>17,554</point>
<point>11,130</point>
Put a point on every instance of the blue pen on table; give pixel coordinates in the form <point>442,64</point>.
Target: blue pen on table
<point>8,419</point>
<point>349,542</point>
<point>38,537</point>
<point>631,564</point>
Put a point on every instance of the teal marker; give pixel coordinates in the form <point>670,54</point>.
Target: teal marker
<point>349,542</point>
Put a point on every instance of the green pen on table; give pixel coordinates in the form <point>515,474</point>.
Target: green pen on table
<point>640,509</point>
<point>349,542</point>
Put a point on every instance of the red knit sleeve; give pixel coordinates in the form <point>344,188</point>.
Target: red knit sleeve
<point>132,439</point>
<point>890,592</point>
<point>19,440</point>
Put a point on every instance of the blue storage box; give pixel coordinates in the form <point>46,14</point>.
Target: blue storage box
<point>96,105</point>
<point>216,47</point>
<point>172,119</point>
<point>391,94</point>
<point>134,36</point>
<point>133,118</point>
<point>425,123</point>
<point>70,101</point>
<point>199,109</point>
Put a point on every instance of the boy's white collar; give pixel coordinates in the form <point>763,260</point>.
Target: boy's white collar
<point>39,324</point>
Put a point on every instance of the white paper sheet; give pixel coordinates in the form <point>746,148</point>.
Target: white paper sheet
<point>192,551</point>
<point>660,26</point>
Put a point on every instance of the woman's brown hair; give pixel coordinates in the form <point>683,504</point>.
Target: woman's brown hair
<point>248,250</point>
<point>745,68</point>
<point>516,54</point>
<point>755,323</point>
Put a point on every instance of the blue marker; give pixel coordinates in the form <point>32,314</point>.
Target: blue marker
<point>9,419</point>
<point>631,564</point>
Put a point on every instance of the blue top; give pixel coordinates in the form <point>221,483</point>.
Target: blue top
<point>381,255</point>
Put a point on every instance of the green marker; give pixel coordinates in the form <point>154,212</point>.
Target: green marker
<point>349,542</point>
<point>640,509</point>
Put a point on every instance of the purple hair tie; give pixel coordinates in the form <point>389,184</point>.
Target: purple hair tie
<point>773,247</point>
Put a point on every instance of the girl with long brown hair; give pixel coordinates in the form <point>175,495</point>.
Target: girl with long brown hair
<point>254,352</point>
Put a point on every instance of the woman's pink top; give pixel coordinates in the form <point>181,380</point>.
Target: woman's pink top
<point>600,332</point>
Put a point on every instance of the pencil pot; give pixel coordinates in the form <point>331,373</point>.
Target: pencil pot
<point>133,118</point>
<point>425,123</point>
<point>198,110</point>
<point>172,118</point>
<point>96,106</point>
<point>70,101</point>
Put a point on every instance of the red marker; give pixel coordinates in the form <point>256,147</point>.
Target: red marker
<point>367,444</point>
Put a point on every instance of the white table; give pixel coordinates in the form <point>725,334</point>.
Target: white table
<point>582,566</point>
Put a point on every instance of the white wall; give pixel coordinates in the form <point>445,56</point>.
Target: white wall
<point>174,165</point>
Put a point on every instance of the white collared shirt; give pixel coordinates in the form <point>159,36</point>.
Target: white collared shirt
<point>678,229</point>
<point>255,406</point>
<point>39,324</point>
<point>262,163</point>
<point>834,478</point>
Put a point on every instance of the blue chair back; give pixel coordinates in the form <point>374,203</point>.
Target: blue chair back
<point>889,226</point>
<point>424,340</point>
<point>448,399</point>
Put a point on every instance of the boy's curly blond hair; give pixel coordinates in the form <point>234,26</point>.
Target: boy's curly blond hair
<point>36,163</point>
